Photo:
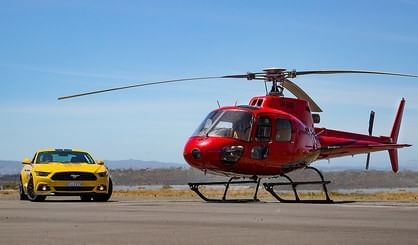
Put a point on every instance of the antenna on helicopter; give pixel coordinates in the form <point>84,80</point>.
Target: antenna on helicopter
<point>265,86</point>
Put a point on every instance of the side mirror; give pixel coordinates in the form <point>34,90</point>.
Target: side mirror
<point>100,162</point>
<point>26,161</point>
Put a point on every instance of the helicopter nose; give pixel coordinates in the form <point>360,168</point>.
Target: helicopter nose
<point>195,152</point>
<point>212,152</point>
<point>192,154</point>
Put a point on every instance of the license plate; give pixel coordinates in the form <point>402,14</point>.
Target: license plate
<point>74,184</point>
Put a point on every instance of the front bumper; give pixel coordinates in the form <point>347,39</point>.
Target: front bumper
<point>46,186</point>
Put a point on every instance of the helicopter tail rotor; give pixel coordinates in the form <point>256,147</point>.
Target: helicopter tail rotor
<point>371,123</point>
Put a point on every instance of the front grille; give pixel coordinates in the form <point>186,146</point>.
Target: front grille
<point>74,188</point>
<point>73,176</point>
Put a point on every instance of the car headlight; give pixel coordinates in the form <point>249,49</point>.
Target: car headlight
<point>103,174</point>
<point>42,174</point>
<point>232,154</point>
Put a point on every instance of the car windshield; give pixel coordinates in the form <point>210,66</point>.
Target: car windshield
<point>227,123</point>
<point>64,157</point>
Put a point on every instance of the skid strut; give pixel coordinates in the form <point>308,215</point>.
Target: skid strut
<point>270,188</point>
<point>195,187</point>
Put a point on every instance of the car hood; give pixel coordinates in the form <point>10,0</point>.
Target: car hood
<point>61,167</point>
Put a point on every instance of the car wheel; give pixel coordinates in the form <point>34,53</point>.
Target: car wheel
<point>31,192</point>
<point>22,194</point>
<point>104,197</point>
<point>85,198</point>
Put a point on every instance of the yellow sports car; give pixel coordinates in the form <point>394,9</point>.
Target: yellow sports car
<point>64,172</point>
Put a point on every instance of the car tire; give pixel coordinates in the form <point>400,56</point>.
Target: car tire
<point>31,193</point>
<point>104,197</point>
<point>85,198</point>
<point>22,195</point>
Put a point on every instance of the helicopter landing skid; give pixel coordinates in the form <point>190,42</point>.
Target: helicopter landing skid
<point>195,187</point>
<point>270,188</point>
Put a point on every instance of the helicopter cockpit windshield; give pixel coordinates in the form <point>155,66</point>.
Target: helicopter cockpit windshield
<point>227,123</point>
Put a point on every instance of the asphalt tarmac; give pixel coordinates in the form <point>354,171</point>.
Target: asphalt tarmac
<point>60,221</point>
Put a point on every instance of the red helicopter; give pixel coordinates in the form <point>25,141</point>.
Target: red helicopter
<point>274,135</point>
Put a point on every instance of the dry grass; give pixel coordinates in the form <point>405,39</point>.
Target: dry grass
<point>9,195</point>
<point>163,193</point>
<point>170,193</point>
<point>167,193</point>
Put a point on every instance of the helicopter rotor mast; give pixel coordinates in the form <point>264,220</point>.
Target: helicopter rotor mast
<point>274,75</point>
<point>279,79</point>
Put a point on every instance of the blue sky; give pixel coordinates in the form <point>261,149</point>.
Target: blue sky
<point>54,48</point>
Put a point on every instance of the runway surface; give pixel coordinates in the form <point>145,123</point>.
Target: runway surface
<point>194,222</point>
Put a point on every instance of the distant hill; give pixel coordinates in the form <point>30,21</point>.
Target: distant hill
<point>358,164</point>
<point>9,167</point>
<point>140,164</point>
<point>14,167</point>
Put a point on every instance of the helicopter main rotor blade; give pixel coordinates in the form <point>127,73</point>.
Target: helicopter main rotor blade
<point>329,72</point>
<point>300,94</point>
<point>292,87</point>
<point>139,85</point>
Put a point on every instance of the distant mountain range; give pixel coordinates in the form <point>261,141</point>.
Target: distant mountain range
<point>9,167</point>
<point>140,164</point>
<point>14,167</point>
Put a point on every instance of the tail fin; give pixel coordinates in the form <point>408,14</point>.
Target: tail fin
<point>393,153</point>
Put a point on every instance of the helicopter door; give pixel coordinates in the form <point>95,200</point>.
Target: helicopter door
<point>262,139</point>
<point>283,130</point>
<point>282,146</point>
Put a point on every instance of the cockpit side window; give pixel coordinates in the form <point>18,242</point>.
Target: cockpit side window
<point>283,130</point>
<point>227,123</point>
<point>263,129</point>
<point>207,123</point>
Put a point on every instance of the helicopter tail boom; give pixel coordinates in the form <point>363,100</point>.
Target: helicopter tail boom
<point>336,143</point>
